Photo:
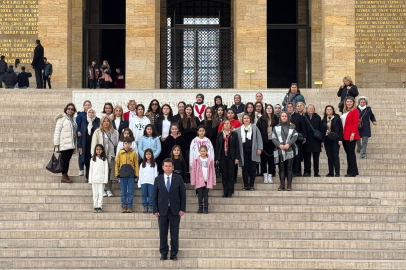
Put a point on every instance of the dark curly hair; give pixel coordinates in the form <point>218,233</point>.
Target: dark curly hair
<point>70,104</point>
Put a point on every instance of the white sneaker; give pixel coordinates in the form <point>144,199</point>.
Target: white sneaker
<point>266,178</point>
<point>270,179</point>
<point>81,173</point>
<point>104,194</point>
<point>109,193</point>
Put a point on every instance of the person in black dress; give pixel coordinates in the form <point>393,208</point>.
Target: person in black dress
<point>188,128</point>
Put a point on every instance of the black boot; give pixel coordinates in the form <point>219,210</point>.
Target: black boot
<point>206,209</point>
<point>289,185</point>
<point>282,186</point>
<point>200,209</point>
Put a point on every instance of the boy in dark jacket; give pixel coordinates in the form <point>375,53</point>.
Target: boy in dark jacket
<point>47,73</point>
<point>23,81</point>
<point>10,78</point>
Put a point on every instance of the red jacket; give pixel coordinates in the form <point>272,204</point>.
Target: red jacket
<point>126,115</point>
<point>351,125</point>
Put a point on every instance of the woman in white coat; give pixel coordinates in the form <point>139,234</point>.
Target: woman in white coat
<point>65,137</point>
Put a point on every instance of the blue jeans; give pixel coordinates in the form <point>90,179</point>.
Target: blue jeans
<point>127,188</point>
<point>146,194</point>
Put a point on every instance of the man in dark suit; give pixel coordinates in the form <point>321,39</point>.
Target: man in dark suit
<point>38,63</point>
<point>169,201</point>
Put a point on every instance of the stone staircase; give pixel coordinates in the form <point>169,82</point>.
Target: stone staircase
<point>324,223</point>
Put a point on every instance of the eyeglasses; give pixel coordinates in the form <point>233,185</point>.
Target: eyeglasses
<point>70,109</point>
<point>154,104</point>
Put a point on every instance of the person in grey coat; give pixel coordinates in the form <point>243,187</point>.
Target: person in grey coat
<point>365,115</point>
<point>251,146</point>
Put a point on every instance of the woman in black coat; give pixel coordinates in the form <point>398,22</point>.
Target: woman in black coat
<point>266,125</point>
<point>227,155</point>
<point>188,128</point>
<point>345,90</point>
<point>119,123</point>
<point>365,116</point>
<point>211,125</point>
<point>312,121</point>
<point>333,139</point>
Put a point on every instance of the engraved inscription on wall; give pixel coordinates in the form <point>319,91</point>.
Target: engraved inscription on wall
<point>380,28</point>
<point>18,29</point>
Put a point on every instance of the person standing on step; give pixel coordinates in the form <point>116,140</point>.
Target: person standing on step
<point>238,106</point>
<point>350,120</point>
<point>126,171</point>
<point>201,139</point>
<point>38,63</point>
<point>169,205</point>
<point>260,98</point>
<point>163,129</point>
<point>313,124</point>
<point>297,120</point>
<point>131,106</point>
<point>148,173</point>
<point>199,107</point>
<point>98,176</point>
<point>47,73</point>
<point>120,82</point>
<point>139,122</point>
<point>293,96</point>
<point>218,101</point>
<point>227,155</point>
<point>81,117</point>
<point>232,117</point>
<point>119,123</point>
<point>250,110</point>
<point>220,114</point>
<point>108,137</point>
<point>149,140</point>
<point>153,111</point>
<point>65,137</point>
<point>181,110</point>
<point>364,127</point>
<point>284,137</point>
<point>278,110</point>
<point>179,163</point>
<point>266,124</point>
<point>105,78</point>
<point>333,139</point>
<point>3,69</point>
<point>17,69</point>
<point>251,146</point>
<point>347,89</point>
<point>108,110</point>
<point>203,177</point>
<point>92,75</point>
<point>188,129</point>
<point>127,133</point>
<point>259,111</point>
<point>210,125</point>
<point>87,129</point>
<point>174,138</point>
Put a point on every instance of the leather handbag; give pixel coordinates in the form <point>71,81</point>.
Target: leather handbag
<point>316,133</point>
<point>55,165</point>
<point>333,136</point>
<point>361,123</point>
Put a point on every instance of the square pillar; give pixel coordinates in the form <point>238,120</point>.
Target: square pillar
<point>338,41</point>
<point>250,43</point>
<point>141,34</point>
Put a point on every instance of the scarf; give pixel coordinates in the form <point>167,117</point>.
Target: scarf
<point>247,135</point>
<point>73,128</point>
<point>329,121</point>
<point>282,155</point>
<point>226,137</point>
<point>362,107</point>
<point>292,99</point>
<point>200,111</point>
<point>90,125</point>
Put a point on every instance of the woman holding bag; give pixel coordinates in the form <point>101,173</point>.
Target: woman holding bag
<point>364,126</point>
<point>105,75</point>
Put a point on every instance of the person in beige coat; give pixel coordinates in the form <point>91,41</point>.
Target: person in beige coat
<point>107,136</point>
<point>65,138</point>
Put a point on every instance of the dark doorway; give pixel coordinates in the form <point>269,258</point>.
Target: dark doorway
<point>104,36</point>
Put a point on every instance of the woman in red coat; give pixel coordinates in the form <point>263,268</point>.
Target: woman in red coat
<point>120,82</point>
<point>350,119</point>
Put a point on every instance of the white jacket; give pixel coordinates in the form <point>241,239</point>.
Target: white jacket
<point>99,171</point>
<point>64,135</point>
<point>147,174</point>
<point>194,148</point>
<point>137,126</point>
<point>121,146</point>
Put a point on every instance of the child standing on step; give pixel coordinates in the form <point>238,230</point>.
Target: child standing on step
<point>98,176</point>
<point>203,177</point>
<point>148,173</point>
<point>179,163</point>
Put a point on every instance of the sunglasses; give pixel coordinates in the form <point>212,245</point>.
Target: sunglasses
<point>70,109</point>
<point>154,104</point>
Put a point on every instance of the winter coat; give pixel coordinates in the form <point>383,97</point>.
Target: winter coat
<point>233,148</point>
<point>195,145</point>
<point>257,116</point>
<point>149,142</point>
<point>152,116</point>
<point>105,68</point>
<point>196,175</point>
<point>48,69</point>
<point>298,121</point>
<point>99,171</point>
<point>262,125</point>
<point>158,124</point>
<point>312,144</point>
<point>80,117</point>
<point>38,61</point>
<point>120,83</point>
<point>121,146</point>
<point>10,78</point>
<point>127,164</point>
<point>123,124</point>
<point>238,109</point>
<point>336,127</point>
<point>234,123</point>
<point>137,126</point>
<point>296,99</point>
<point>147,174</point>
<point>351,125</point>
<point>3,66</point>
<point>90,72</point>
<point>23,79</point>
<point>365,131</point>
<point>111,142</point>
<point>257,144</point>
<point>64,135</point>
<point>82,139</point>
<point>344,92</point>
<point>170,142</point>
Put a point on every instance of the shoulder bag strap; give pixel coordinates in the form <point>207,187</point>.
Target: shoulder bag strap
<point>309,123</point>
<point>364,112</point>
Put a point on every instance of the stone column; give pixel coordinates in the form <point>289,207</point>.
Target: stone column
<point>55,33</point>
<point>250,43</point>
<point>77,44</point>
<point>338,41</point>
<point>140,51</point>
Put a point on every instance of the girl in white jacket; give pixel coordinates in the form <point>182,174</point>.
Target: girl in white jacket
<point>98,176</point>
<point>197,142</point>
<point>148,173</point>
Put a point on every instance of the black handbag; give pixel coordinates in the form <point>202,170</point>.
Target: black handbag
<point>333,136</point>
<point>55,165</point>
<point>316,133</point>
<point>217,170</point>
<point>300,137</point>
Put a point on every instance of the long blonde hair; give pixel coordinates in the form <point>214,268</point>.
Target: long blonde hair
<point>111,128</point>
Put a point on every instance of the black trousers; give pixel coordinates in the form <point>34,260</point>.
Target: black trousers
<point>203,196</point>
<point>38,78</point>
<point>45,80</point>
<point>88,157</point>
<point>349,148</point>
<point>267,159</point>
<point>104,84</point>
<point>1,80</point>
<point>171,222</point>
<point>92,83</point>
<point>307,156</point>
<point>66,155</point>
<point>248,170</point>
<point>333,157</point>
<point>286,169</point>
<point>227,167</point>
<point>297,160</point>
